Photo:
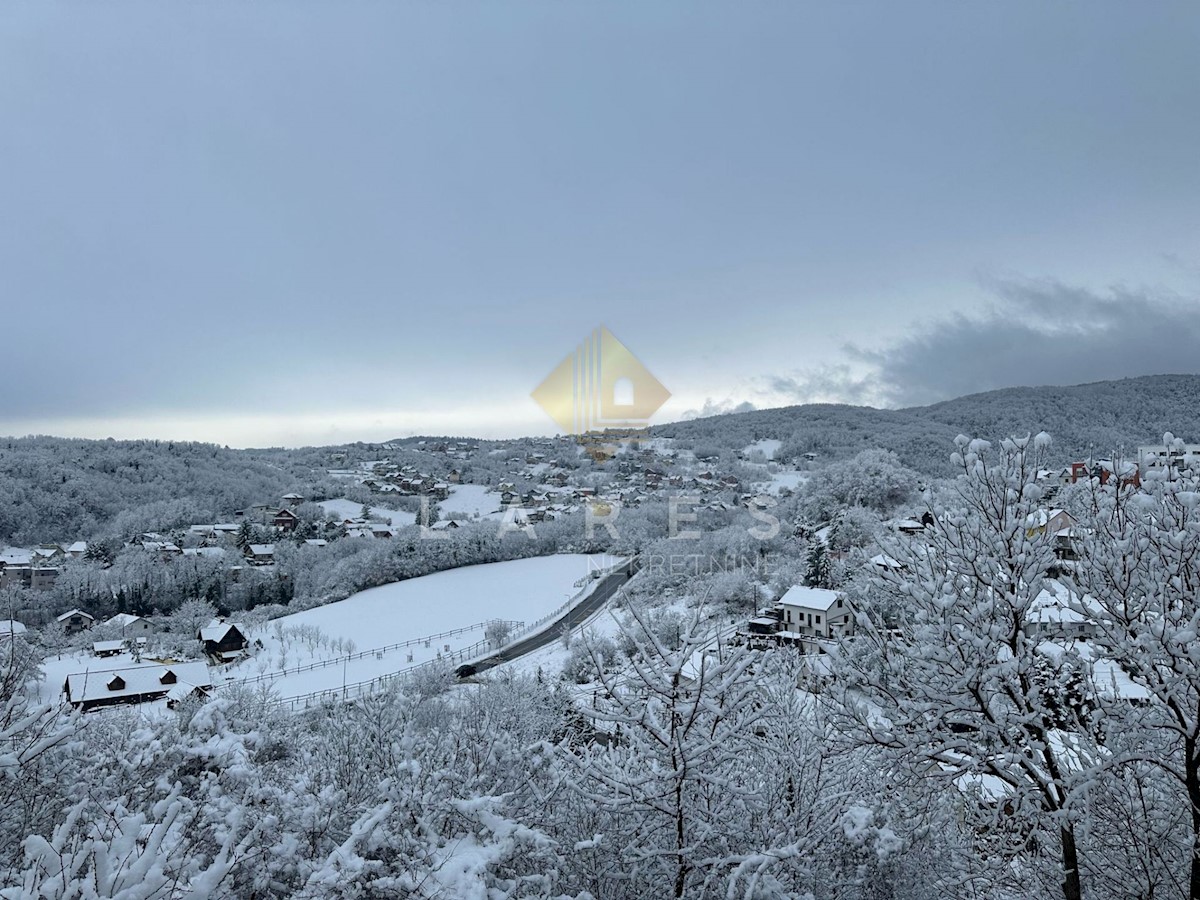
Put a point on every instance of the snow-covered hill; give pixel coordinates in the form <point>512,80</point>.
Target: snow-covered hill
<point>1099,418</point>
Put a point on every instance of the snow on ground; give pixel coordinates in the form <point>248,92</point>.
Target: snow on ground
<point>605,622</point>
<point>551,658</point>
<point>412,610</point>
<point>768,446</point>
<point>789,479</point>
<point>521,590</point>
<point>348,509</point>
<point>471,500</point>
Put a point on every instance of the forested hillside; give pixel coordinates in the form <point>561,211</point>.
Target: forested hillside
<point>1097,418</point>
<point>55,489</point>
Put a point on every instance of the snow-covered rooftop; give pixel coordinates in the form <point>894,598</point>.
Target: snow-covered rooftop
<point>215,631</point>
<point>136,680</point>
<point>809,598</point>
<point>9,627</point>
<point>123,620</point>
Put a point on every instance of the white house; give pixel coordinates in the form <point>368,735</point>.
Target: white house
<point>129,624</point>
<point>75,621</point>
<point>1055,614</point>
<point>815,612</point>
<point>1161,456</point>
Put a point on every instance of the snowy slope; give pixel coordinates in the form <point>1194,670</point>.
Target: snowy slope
<point>767,446</point>
<point>409,611</point>
<point>348,509</point>
<point>471,500</point>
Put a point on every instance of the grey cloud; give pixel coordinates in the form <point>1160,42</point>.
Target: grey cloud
<point>828,384</point>
<point>1040,332</point>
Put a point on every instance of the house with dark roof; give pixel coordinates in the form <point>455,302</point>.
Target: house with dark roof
<point>135,683</point>
<point>222,641</point>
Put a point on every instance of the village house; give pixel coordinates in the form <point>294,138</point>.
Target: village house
<point>75,621</point>
<point>130,625</point>
<point>104,649</point>
<point>38,578</point>
<point>10,628</point>
<point>223,641</point>
<point>260,554</point>
<point>165,549</point>
<point>1160,456</point>
<point>1048,522</point>
<point>285,520</point>
<point>1054,615</point>
<point>815,612</point>
<point>15,556</point>
<point>134,684</point>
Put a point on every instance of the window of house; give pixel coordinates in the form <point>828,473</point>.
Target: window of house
<point>818,620</point>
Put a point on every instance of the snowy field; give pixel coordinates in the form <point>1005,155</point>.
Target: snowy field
<point>790,480</point>
<point>348,509</point>
<point>409,611</point>
<point>320,641</point>
<point>471,500</point>
<point>767,446</point>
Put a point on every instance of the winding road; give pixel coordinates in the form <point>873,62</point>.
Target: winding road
<point>608,586</point>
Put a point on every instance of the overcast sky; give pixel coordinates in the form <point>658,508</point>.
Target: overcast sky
<point>285,223</point>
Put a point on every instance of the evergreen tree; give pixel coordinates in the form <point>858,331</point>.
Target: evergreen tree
<point>818,571</point>
<point>245,535</point>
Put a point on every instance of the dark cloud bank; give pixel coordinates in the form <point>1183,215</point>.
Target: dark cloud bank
<point>1036,332</point>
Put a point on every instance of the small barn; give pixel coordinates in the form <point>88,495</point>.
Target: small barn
<point>107,648</point>
<point>134,683</point>
<point>223,641</point>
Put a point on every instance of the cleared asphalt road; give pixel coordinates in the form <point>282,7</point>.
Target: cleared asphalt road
<point>608,586</point>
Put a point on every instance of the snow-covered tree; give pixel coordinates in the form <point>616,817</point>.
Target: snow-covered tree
<point>671,783</point>
<point>954,697</point>
<point>1138,583</point>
